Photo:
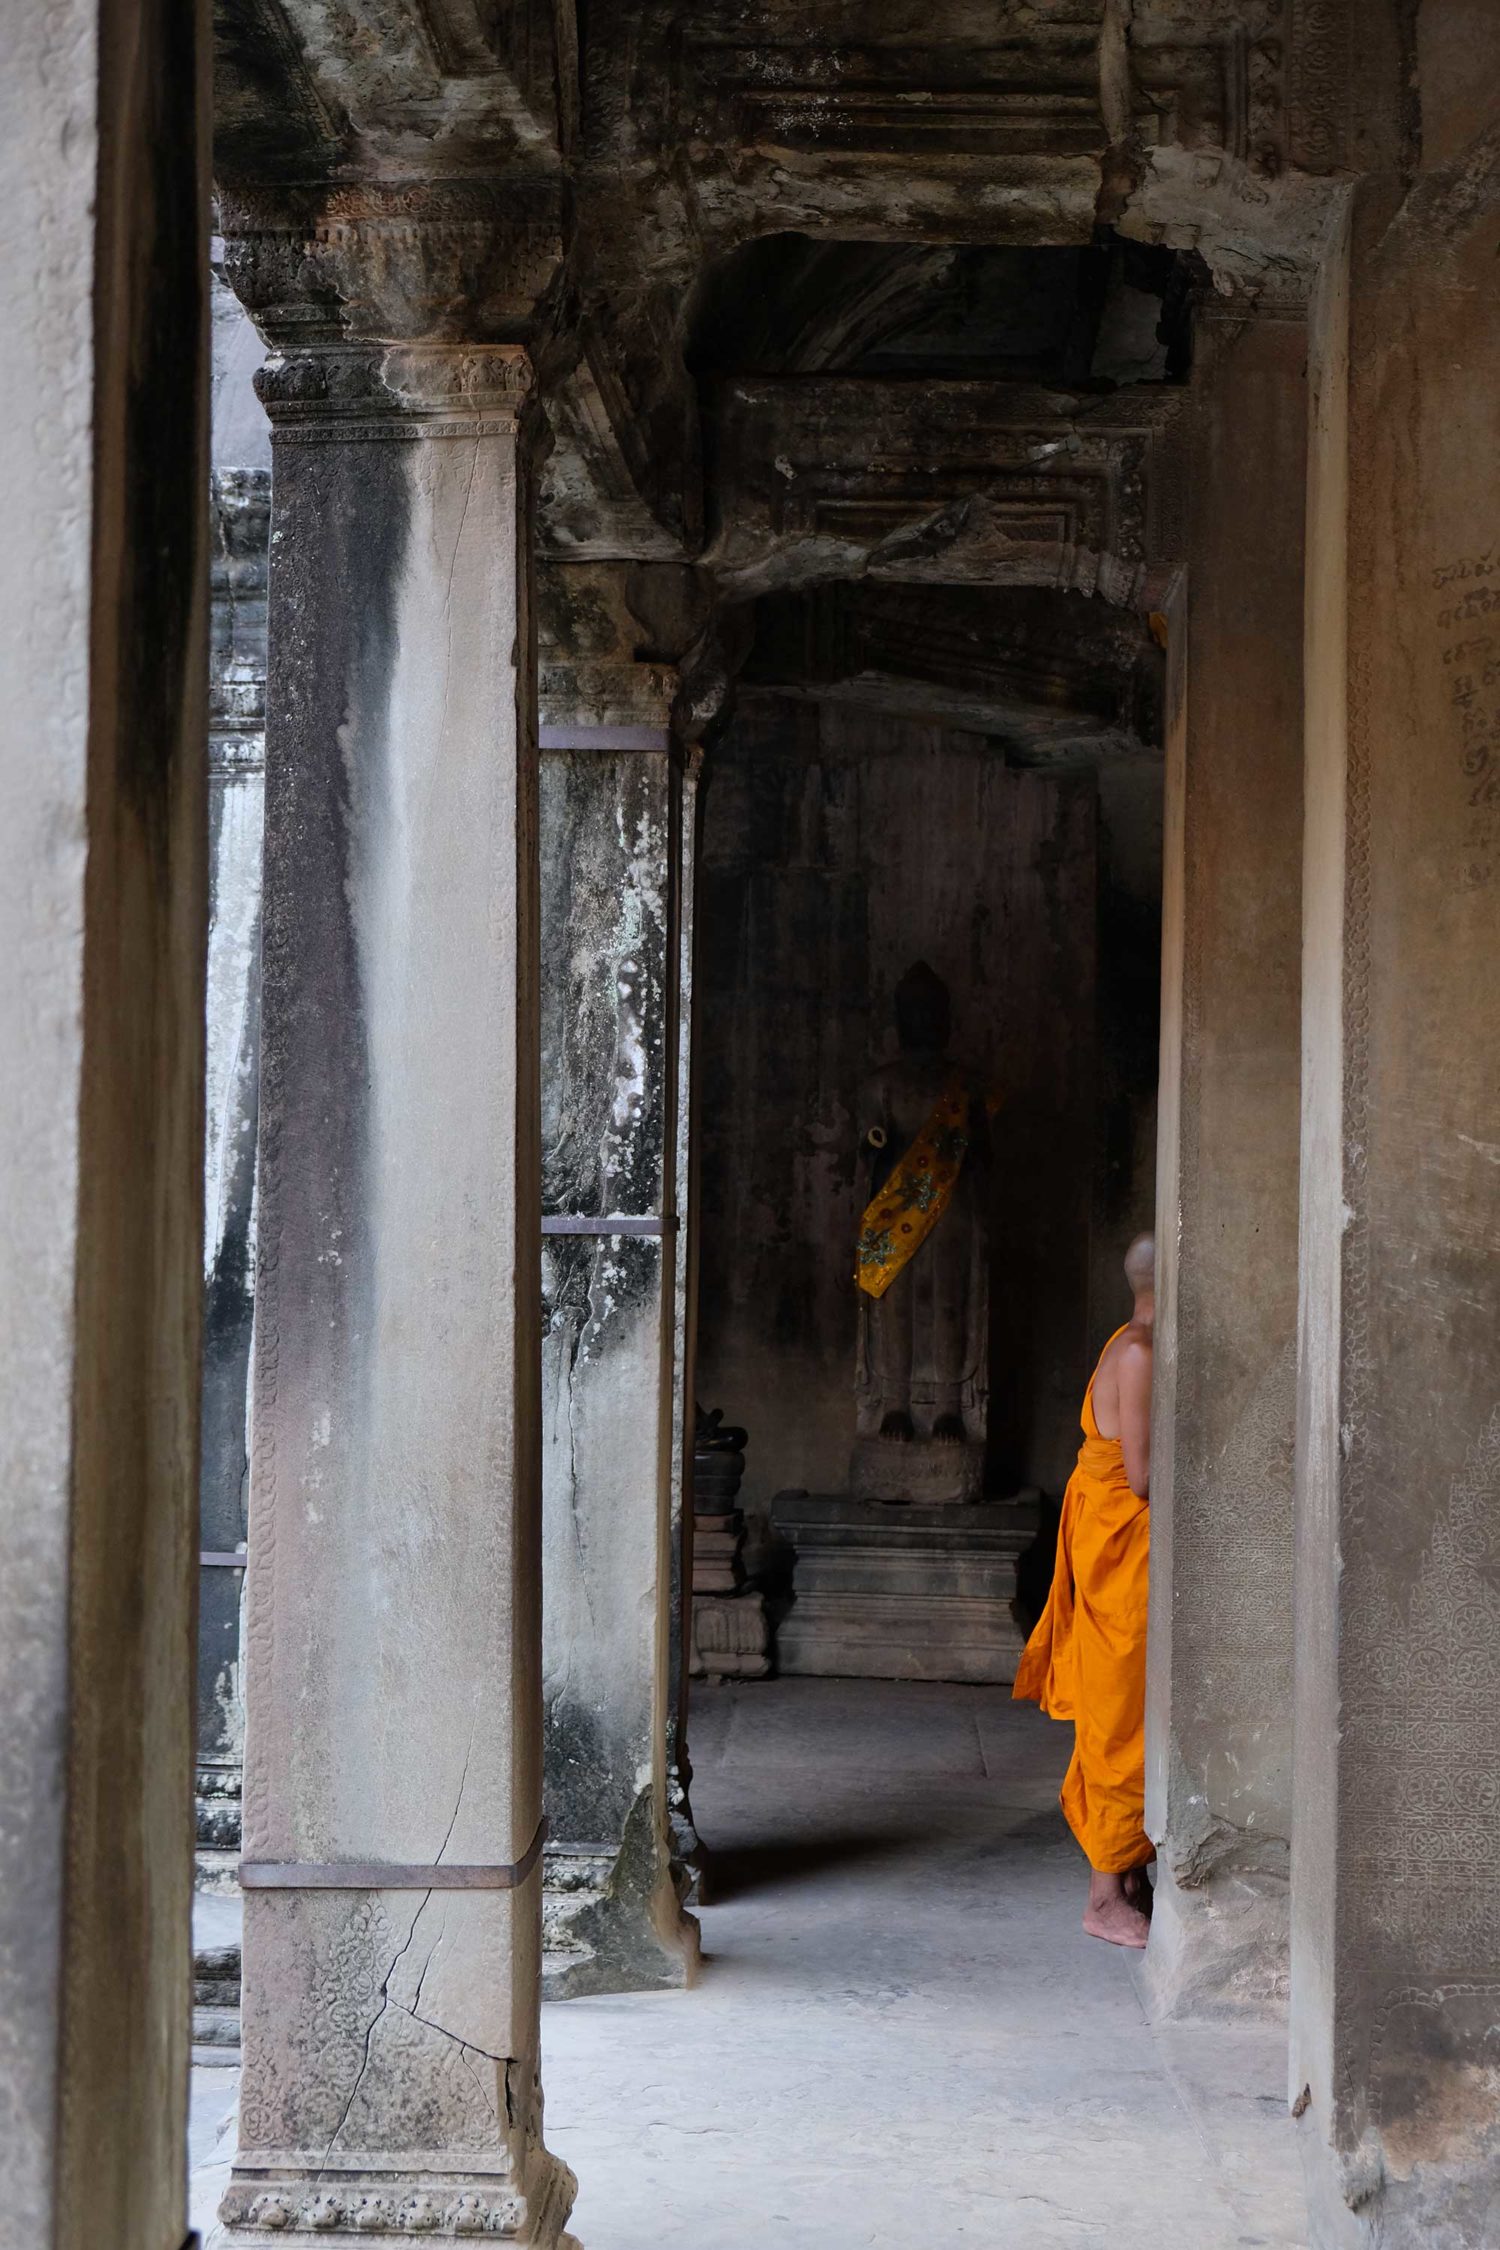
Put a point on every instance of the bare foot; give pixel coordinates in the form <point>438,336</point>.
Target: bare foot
<point>1110,1915</point>
<point>1137,1887</point>
<point>897,1427</point>
<point>949,1429</point>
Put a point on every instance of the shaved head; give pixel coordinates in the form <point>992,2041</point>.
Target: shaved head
<point>1140,1264</point>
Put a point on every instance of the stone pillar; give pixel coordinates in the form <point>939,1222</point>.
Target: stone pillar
<point>103,602</point>
<point>239,510</point>
<point>687,1845</point>
<point>1220,1676</point>
<point>392,1813</point>
<point>1396,1858</point>
<point>611,814</point>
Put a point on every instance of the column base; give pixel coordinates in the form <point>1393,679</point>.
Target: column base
<point>289,2209</point>
<point>1429,2178</point>
<point>614,1921</point>
<point>1219,1950</point>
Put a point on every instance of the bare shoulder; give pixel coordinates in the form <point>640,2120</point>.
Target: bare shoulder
<point>1131,1350</point>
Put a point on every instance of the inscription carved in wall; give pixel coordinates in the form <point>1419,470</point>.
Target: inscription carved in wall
<point>1468,622</point>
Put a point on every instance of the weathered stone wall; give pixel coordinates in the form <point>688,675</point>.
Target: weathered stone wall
<point>103,600</point>
<point>841,843</point>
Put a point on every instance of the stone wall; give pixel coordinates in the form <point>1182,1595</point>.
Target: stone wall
<point>841,843</point>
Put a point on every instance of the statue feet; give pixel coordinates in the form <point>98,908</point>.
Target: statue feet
<point>898,1427</point>
<point>949,1429</point>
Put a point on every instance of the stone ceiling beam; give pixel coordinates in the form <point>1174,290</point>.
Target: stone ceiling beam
<point>446,87</point>
<point>1058,678</point>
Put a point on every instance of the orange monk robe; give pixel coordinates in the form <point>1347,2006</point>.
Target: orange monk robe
<point>1086,1661</point>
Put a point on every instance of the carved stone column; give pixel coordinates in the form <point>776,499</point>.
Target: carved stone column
<point>1396,1846</point>
<point>611,827</point>
<point>1220,1698</point>
<point>392,1821</point>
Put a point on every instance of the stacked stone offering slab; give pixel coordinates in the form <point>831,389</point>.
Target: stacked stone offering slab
<point>718,1544</point>
<point>889,1591</point>
<point>731,1636</point>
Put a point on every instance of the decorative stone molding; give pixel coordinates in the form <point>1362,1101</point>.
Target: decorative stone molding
<point>396,390</point>
<point>1200,77</point>
<point>290,2216</point>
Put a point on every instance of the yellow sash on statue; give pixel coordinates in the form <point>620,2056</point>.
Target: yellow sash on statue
<point>901,1217</point>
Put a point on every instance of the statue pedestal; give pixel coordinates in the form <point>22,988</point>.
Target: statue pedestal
<point>888,1591</point>
<point>920,1474</point>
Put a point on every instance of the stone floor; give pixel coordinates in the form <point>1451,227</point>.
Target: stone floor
<point>901,2037</point>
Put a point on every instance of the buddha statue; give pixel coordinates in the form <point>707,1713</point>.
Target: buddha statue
<point>922,1267</point>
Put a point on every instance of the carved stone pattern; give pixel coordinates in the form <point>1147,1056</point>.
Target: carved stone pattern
<point>1435,1870</point>
<point>1318,74</point>
<point>286,2214</point>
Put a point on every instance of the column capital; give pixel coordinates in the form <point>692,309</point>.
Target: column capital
<point>596,700</point>
<point>379,261</point>
<point>398,390</point>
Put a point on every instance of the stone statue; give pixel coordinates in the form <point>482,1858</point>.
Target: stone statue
<point>922,1264</point>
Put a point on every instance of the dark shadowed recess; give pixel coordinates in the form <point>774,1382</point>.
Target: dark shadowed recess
<point>1087,317</point>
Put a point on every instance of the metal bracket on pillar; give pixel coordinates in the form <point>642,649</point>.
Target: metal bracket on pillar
<point>604,738</point>
<point>579,1225</point>
<point>376,1875</point>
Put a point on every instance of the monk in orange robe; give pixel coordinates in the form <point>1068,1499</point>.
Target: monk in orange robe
<point>1086,1661</point>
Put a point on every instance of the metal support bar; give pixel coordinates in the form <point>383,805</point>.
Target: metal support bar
<point>373,1875</point>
